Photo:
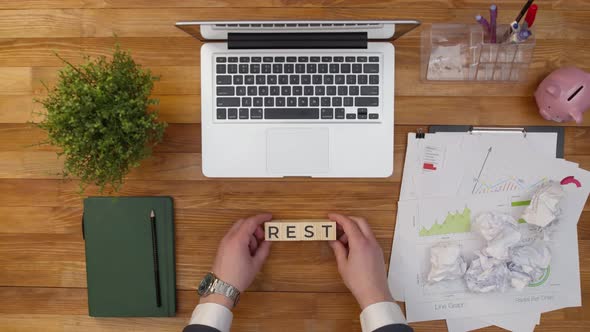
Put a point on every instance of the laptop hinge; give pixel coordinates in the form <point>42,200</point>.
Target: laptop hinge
<point>238,40</point>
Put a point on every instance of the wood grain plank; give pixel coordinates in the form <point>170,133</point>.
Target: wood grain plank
<point>30,52</point>
<point>138,22</point>
<point>15,81</point>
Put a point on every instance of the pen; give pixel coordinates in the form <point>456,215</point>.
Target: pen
<point>156,264</point>
<point>493,17</point>
<point>530,15</point>
<point>484,23</point>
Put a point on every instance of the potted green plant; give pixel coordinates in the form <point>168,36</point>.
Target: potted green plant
<point>99,115</point>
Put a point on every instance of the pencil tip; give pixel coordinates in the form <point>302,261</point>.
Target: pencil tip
<point>152,214</point>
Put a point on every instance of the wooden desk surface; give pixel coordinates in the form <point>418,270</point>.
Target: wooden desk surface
<point>42,270</point>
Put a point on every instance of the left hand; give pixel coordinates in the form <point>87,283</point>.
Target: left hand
<point>241,254</point>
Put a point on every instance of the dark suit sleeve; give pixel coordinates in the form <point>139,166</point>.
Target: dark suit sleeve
<point>204,328</point>
<point>395,328</point>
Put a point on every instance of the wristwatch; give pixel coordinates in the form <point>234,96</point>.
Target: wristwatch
<point>213,285</point>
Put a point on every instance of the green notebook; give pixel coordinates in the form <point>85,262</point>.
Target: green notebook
<point>120,256</point>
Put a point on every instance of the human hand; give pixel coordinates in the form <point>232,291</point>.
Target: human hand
<point>240,256</point>
<point>360,261</point>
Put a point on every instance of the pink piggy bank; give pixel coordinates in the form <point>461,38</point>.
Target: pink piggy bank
<point>564,95</point>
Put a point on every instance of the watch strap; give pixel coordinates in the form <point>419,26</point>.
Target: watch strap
<point>225,289</point>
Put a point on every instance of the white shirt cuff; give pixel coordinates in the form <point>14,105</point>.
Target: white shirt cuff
<point>381,314</point>
<point>213,315</point>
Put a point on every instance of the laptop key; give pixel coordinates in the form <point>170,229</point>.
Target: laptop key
<point>328,79</point>
<point>300,68</point>
<point>238,79</point>
<point>373,59</point>
<point>291,59</point>
<point>258,101</point>
<point>322,68</point>
<point>314,101</point>
<point>260,79</point>
<point>373,116</point>
<point>294,79</point>
<point>225,90</point>
<point>302,59</point>
<point>286,90</point>
<point>246,101</point>
<point>371,68</point>
<point>271,79</point>
<point>373,79</point>
<point>220,59</point>
<point>361,59</point>
<point>232,59</point>
<point>331,90</point>
<point>336,101</point>
<point>353,90</point>
<point>263,90</point>
<point>348,101</point>
<point>302,101</point>
<point>256,59</point>
<point>292,113</point>
<point>340,113</point>
<point>252,91</point>
<point>326,59</point>
<point>350,79</point>
<point>339,79</point>
<point>312,68</point>
<point>256,113</point>
<point>289,68</point>
<point>338,59</point>
<point>228,101</point>
<point>357,68</point>
<point>241,91</point>
<point>327,113</point>
<point>362,79</point>
<point>267,59</point>
<point>221,114</point>
<point>220,69</point>
<point>297,90</point>
<point>292,101</point>
<point>314,59</point>
<point>243,68</point>
<point>277,68</point>
<point>280,101</point>
<point>345,68</point>
<point>269,101</point>
<point>249,79</point>
<point>223,79</point>
<point>366,101</point>
<point>308,90</point>
<point>232,113</point>
<point>325,101</point>
<point>350,116</point>
<point>305,79</point>
<point>350,59</point>
<point>266,68</point>
<point>334,68</point>
<point>232,69</point>
<point>255,68</point>
<point>342,90</point>
<point>244,113</point>
<point>317,79</point>
<point>244,59</point>
<point>275,90</point>
<point>370,90</point>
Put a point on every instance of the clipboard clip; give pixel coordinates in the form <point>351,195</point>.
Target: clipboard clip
<point>498,130</point>
<point>420,133</point>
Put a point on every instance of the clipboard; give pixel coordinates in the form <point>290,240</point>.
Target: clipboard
<point>560,131</point>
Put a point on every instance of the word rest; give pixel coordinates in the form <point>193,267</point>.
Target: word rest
<point>300,230</point>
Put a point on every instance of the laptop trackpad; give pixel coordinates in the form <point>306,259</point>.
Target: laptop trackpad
<point>298,151</point>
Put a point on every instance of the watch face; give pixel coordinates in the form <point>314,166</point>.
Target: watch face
<point>205,283</point>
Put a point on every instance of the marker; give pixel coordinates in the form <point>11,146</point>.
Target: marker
<point>523,10</point>
<point>530,15</point>
<point>484,23</point>
<point>493,17</point>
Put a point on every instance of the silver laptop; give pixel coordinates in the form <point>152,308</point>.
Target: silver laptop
<point>297,98</point>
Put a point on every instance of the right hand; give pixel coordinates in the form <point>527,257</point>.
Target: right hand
<point>360,261</point>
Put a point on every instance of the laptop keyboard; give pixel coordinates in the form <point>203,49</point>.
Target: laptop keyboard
<point>297,88</point>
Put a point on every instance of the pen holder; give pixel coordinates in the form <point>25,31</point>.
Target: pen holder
<point>462,52</point>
